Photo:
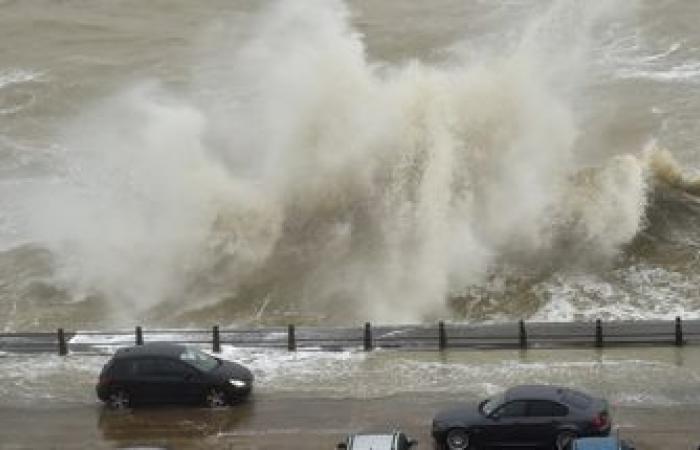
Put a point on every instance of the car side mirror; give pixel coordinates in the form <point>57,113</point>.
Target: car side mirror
<point>412,442</point>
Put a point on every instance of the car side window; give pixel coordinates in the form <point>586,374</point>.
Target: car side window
<point>174,368</point>
<point>515,408</point>
<point>159,367</point>
<point>544,408</point>
<point>145,367</point>
<point>559,410</point>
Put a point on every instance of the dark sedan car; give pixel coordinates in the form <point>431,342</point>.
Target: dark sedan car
<point>532,416</point>
<point>171,373</point>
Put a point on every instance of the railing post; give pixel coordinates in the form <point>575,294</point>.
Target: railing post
<point>139,336</point>
<point>215,339</point>
<point>368,337</point>
<point>679,332</point>
<point>442,336</point>
<point>291,338</point>
<point>598,333</point>
<point>522,335</point>
<point>62,347</point>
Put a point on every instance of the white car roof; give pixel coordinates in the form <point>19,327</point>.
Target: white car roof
<point>373,442</point>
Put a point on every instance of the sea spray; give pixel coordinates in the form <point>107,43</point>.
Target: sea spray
<point>321,182</point>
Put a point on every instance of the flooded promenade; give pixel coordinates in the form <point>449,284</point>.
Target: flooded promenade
<point>310,399</point>
<point>270,422</point>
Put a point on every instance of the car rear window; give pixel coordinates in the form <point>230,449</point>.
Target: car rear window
<point>107,368</point>
<point>577,399</point>
<point>118,368</point>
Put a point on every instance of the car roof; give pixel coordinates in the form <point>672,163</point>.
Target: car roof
<point>598,443</point>
<point>539,392</point>
<point>151,349</point>
<point>373,442</point>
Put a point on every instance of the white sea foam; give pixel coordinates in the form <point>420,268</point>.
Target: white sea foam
<point>14,80</point>
<point>687,71</point>
<point>9,77</point>
<point>629,56</point>
<point>28,379</point>
<point>386,373</point>
<point>635,292</point>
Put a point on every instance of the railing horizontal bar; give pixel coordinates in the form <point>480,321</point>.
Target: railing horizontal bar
<point>102,333</point>
<point>329,339</point>
<point>27,335</point>
<point>606,336</point>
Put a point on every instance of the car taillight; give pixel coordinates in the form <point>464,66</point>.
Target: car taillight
<point>105,380</point>
<point>601,421</point>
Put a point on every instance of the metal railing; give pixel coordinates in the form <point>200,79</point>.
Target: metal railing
<point>441,336</point>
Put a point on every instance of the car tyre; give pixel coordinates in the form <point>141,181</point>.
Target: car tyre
<point>457,439</point>
<point>216,398</point>
<point>119,399</point>
<point>565,439</point>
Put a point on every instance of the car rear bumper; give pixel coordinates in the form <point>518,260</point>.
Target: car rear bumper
<point>438,433</point>
<point>102,392</point>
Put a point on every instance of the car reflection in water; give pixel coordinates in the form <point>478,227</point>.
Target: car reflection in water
<point>166,425</point>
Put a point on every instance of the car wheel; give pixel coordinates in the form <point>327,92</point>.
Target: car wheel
<point>457,439</point>
<point>216,398</point>
<point>565,439</point>
<point>119,399</point>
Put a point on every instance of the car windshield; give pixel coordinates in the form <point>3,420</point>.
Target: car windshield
<point>199,359</point>
<point>490,405</point>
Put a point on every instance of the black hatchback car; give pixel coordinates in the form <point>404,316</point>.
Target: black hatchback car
<point>532,416</point>
<point>171,373</point>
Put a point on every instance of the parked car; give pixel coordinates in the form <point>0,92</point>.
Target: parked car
<point>387,441</point>
<point>171,373</point>
<point>601,443</point>
<point>533,416</point>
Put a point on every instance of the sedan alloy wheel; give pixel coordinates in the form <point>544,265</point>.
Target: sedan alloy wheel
<point>216,398</point>
<point>119,399</point>
<point>457,439</point>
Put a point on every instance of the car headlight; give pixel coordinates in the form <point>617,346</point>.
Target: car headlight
<point>237,383</point>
